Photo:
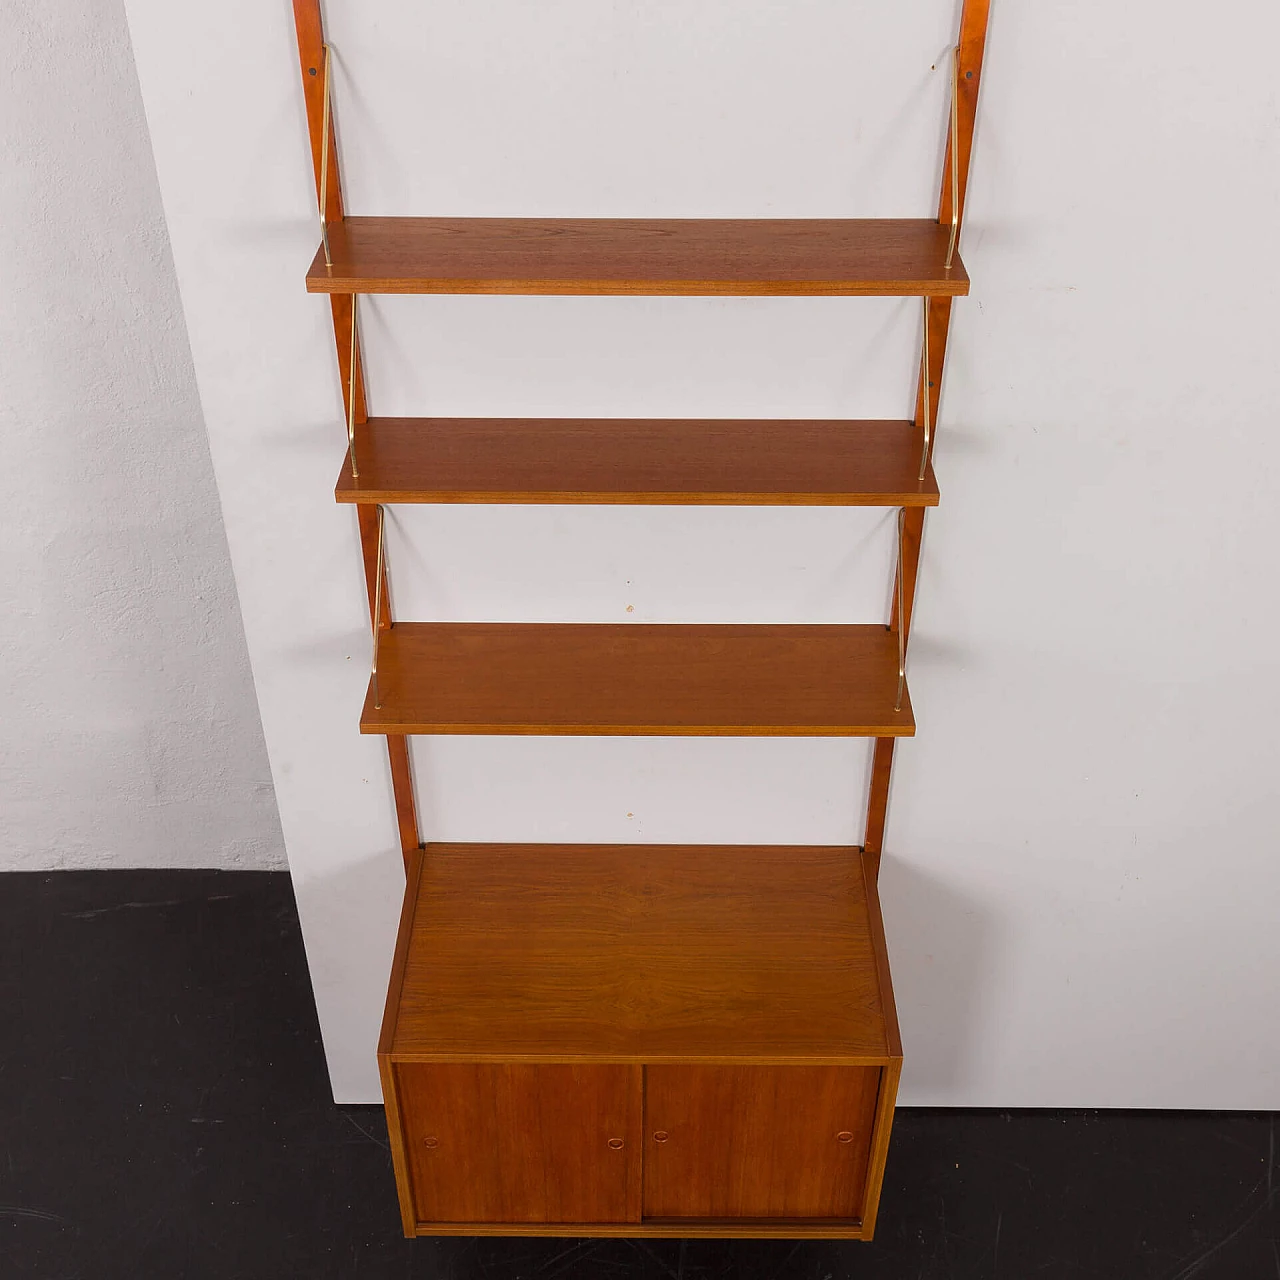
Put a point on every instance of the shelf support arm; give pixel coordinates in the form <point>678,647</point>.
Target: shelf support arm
<point>353,363</point>
<point>316,60</point>
<point>966,77</point>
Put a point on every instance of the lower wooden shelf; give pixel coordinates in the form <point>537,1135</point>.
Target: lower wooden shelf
<point>640,1040</point>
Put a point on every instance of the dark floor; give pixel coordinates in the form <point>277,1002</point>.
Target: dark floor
<point>164,1112</point>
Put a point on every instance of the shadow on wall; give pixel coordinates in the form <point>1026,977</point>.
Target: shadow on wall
<point>943,947</point>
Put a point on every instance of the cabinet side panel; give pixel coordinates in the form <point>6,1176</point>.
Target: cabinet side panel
<point>396,1140</point>
<point>885,1102</point>
<point>391,1011</point>
<point>386,1067</point>
<point>757,1141</point>
<point>497,1143</point>
<point>875,925</point>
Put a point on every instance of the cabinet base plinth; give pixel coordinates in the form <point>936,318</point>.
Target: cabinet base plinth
<point>655,1230</point>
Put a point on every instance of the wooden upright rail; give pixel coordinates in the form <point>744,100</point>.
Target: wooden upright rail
<point>937,311</point>
<point>316,69</point>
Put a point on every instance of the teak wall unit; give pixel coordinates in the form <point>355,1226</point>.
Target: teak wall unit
<point>641,1040</point>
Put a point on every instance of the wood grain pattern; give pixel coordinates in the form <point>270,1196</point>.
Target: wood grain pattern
<point>685,256</point>
<point>757,1141</point>
<point>641,953</point>
<point>638,679</point>
<point>617,460</point>
<point>522,1143</point>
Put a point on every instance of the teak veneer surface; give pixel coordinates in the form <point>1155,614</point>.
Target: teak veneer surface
<point>757,1142</point>
<point>641,953</point>
<point>637,678</point>
<point>688,256</point>
<point>652,460</point>
<point>520,1142</point>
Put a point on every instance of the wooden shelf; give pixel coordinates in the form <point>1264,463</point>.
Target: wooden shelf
<point>637,679</point>
<point>652,460</point>
<point>642,953</point>
<point>685,256</point>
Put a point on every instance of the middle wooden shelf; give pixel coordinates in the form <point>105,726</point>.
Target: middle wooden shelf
<point>707,461</point>
<point>637,679</point>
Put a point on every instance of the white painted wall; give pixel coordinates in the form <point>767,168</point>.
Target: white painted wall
<point>129,736</point>
<point>1080,875</point>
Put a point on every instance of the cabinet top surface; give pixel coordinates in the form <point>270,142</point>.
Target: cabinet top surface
<point>686,256</point>
<point>652,953</point>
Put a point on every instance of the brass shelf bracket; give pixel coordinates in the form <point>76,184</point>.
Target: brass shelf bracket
<point>377,606</point>
<point>924,385</point>
<point>324,162</point>
<point>351,387</point>
<point>955,157</point>
<point>900,596</point>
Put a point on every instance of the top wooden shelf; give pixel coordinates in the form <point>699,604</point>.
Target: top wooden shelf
<point>693,257</point>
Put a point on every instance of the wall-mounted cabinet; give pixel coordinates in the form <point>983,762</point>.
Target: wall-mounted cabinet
<point>648,1040</point>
